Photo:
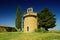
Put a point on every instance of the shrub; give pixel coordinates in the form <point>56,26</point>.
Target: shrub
<point>40,30</point>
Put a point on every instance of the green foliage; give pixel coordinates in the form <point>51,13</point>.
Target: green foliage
<point>46,19</point>
<point>19,18</point>
<point>40,30</point>
<point>11,29</point>
<point>14,30</point>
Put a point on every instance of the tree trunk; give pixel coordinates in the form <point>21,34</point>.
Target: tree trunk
<point>46,29</point>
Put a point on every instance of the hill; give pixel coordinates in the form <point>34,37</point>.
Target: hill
<point>29,36</point>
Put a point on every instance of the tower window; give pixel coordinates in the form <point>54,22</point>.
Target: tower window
<point>30,10</point>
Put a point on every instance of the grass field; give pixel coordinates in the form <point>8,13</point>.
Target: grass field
<point>29,36</point>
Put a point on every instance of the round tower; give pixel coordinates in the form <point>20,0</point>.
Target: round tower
<point>30,20</point>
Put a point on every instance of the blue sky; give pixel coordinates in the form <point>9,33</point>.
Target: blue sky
<point>8,9</point>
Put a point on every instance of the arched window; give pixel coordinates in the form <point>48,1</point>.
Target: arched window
<point>27,28</point>
<point>30,10</point>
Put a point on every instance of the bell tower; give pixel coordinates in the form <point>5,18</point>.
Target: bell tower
<point>30,20</point>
